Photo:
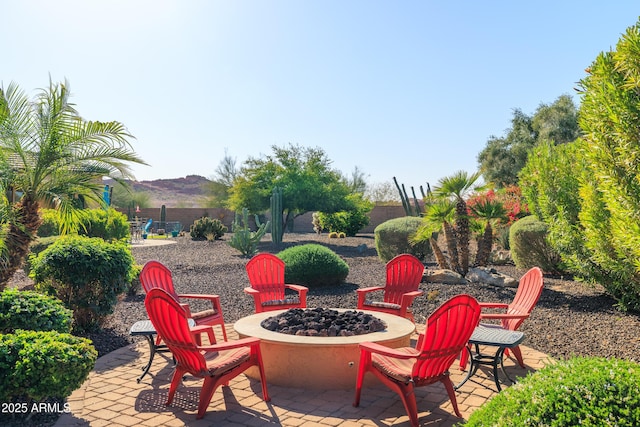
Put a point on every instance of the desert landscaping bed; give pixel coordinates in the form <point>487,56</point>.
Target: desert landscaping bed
<point>571,318</point>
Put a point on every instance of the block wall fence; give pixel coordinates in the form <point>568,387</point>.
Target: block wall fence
<point>302,224</point>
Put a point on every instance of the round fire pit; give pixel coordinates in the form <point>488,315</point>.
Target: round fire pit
<point>317,362</point>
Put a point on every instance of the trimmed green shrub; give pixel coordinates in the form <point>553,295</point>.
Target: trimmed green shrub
<point>584,391</point>
<point>39,365</point>
<point>392,238</point>
<point>33,311</point>
<point>50,223</point>
<point>206,228</point>
<point>107,224</point>
<point>87,274</point>
<point>37,246</point>
<point>529,246</point>
<point>313,265</point>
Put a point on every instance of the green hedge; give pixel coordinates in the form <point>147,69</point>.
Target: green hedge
<point>40,365</point>
<point>584,391</point>
<point>33,311</point>
<point>313,265</point>
<point>393,237</point>
<point>529,246</point>
<point>87,274</point>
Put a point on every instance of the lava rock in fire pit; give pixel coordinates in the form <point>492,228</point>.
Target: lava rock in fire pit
<point>322,322</point>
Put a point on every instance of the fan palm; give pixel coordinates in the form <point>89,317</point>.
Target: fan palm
<point>488,211</point>
<point>456,188</point>
<point>438,215</point>
<point>55,159</point>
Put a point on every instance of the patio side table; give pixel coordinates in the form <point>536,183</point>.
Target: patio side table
<point>491,336</point>
<point>145,328</point>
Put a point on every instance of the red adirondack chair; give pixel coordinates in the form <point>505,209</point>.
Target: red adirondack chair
<point>527,296</point>
<point>266,276</point>
<point>404,274</point>
<point>402,369</point>
<point>217,364</point>
<point>154,274</point>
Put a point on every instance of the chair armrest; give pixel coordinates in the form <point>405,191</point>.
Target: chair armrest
<point>228,345</point>
<point>297,288</point>
<point>249,290</point>
<point>362,294</point>
<point>207,329</point>
<point>386,351</point>
<point>493,305</point>
<point>200,296</point>
<point>186,309</point>
<point>502,316</point>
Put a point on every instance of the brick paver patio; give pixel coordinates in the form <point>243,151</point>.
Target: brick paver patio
<point>112,397</point>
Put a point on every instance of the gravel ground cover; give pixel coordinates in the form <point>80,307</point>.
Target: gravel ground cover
<point>571,318</point>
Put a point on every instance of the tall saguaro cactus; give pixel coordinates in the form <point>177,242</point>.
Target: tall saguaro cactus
<point>276,215</point>
<point>163,216</point>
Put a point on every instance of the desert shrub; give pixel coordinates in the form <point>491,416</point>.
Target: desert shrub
<point>392,238</point>
<point>87,274</point>
<point>529,246</point>
<point>349,221</point>
<point>585,391</point>
<point>36,365</point>
<point>107,224</point>
<point>33,311</point>
<point>50,223</point>
<point>206,228</point>
<point>313,265</point>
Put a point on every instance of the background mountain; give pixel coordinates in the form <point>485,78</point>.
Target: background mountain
<point>187,192</point>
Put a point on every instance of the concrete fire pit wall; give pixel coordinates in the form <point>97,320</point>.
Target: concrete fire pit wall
<point>317,363</point>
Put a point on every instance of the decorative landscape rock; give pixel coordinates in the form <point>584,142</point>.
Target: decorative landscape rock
<point>322,322</point>
<point>490,276</point>
<point>449,277</point>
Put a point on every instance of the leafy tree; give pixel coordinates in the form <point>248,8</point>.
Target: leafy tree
<point>124,197</point>
<point>304,174</point>
<point>357,182</point>
<point>383,193</point>
<point>223,179</point>
<point>54,158</point>
<point>503,157</point>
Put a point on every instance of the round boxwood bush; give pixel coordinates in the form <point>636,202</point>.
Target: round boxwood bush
<point>582,391</point>
<point>34,311</point>
<point>392,238</point>
<point>313,265</point>
<point>43,364</point>
<point>87,274</point>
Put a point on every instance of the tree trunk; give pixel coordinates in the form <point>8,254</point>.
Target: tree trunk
<point>20,235</point>
<point>484,246</point>
<point>452,246</point>
<point>440,258</point>
<point>462,232</point>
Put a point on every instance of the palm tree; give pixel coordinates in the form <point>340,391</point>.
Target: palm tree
<point>489,211</point>
<point>55,159</point>
<point>438,216</point>
<point>456,188</point>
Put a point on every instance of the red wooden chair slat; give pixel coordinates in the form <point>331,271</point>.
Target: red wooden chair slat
<point>154,274</point>
<point>404,274</point>
<point>268,288</point>
<point>217,364</point>
<point>447,331</point>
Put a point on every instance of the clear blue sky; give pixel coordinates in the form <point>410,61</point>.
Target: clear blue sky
<point>412,89</point>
